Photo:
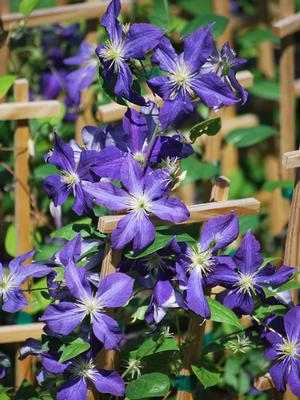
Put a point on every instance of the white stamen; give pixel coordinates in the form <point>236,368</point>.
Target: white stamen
<point>288,350</point>
<point>140,204</point>
<point>70,179</point>
<point>201,260</point>
<point>90,305</point>
<point>180,79</point>
<point>245,283</point>
<point>83,368</point>
<point>7,283</point>
<point>113,52</point>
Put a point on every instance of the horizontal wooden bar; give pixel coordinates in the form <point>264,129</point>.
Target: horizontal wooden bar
<point>287,26</point>
<point>240,121</point>
<point>86,11</point>
<point>19,333</point>
<point>29,110</point>
<point>113,112</point>
<point>245,78</point>
<point>291,159</point>
<point>198,213</point>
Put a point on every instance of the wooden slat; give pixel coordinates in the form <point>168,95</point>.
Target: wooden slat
<point>113,112</point>
<point>54,15</point>
<point>198,213</point>
<point>29,109</point>
<point>291,159</point>
<point>287,26</point>
<point>287,101</point>
<point>245,78</point>
<point>19,333</point>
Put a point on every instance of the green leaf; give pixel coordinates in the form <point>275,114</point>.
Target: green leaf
<point>27,6</point>
<point>292,284</point>
<point>264,311</point>
<point>249,222</point>
<point>244,137</point>
<point>139,314</point>
<point>37,301</point>
<point>10,240</point>
<point>192,6</point>
<point>148,385</point>
<point>69,231</point>
<point>206,376</point>
<point>272,185</point>
<point>44,170</point>
<point>257,35</point>
<point>210,127</point>
<point>265,89</point>
<point>73,349</point>
<point>159,242</point>
<point>197,169</point>
<point>220,313</point>
<point>151,346</point>
<point>161,14</point>
<point>220,24</point>
<point>6,82</point>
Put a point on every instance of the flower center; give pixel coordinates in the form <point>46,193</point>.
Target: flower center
<point>201,260</point>
<point>245,283</point>
<point>113,52</point>
<point>241,345</point>
<point>154,262</point>
<point>287,349</point>
<point>83,368</point>
<point>6,284</point>
<point>180,79</point>
<point>139,156</point>
<point>140,204</point>
<point>90,305</point>
<point>70,179</point>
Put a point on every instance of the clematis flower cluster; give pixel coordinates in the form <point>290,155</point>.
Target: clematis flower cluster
<point>163,272</point>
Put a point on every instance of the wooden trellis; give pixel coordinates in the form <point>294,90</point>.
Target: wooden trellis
<point>20,111</point>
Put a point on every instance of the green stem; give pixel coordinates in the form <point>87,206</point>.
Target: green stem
<point>153,137</point>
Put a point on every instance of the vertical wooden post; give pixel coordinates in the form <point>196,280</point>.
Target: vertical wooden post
<point>196,328</point>
<point>287,76</point>
<point>4,50</point>
<point>213,143</point>
<point>266,62</point>
<point>107,359</point>
<point>24,369</point>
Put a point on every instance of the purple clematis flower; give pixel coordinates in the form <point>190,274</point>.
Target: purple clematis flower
<point>59,187</point>
<point>83,77</point>
<point>64,317</point>
<point>120,48</point>
<point>248,279</point>
<point>79,372</point>
<point>164,297</point>
<point>135,141</point>
<point>144,194</point>
<point>12,295</point>
<point>285,353</point>
<point>184,80</point>
<point>225,64</point>
<point>196,265</point>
